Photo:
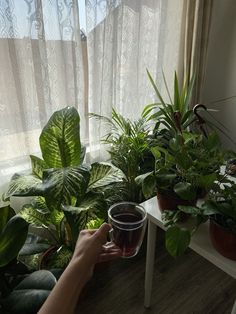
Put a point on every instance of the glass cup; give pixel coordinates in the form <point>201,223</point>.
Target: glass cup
<point>128,221</point>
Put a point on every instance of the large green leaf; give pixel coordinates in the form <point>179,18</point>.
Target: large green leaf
<point>6,213</point>
<point>148,183</point>
<point>12,239</point>
<point>24,185</point>
<point>227,209</point>
<point>62,184</point>
<point>185,190</point>
<point>31,293</point>
<point>206,181</point>
<point>34,216</point>
<point>38,166</point>
<point>60,139</point>
<point>103,174</point>
<point>92,206</point>
<point>177,240</point>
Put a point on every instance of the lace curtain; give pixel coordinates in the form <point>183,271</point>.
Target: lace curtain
<point>124,39</point>
<point>44,65</point>
<point>41,61</point>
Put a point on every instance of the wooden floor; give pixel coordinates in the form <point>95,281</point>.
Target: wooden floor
<point>187,285</point>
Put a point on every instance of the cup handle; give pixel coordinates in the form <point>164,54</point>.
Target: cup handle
<point>110,236</point>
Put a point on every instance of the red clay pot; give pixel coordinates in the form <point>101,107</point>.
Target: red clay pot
<point>223,241</point>
<point>171,201</point>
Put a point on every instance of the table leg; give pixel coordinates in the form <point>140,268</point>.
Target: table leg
<point>151,243</point>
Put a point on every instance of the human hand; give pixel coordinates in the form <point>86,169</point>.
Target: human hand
<point>92,247</point>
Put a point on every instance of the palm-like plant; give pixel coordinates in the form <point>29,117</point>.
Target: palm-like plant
<point>176,115</point>
<point>129,149</point>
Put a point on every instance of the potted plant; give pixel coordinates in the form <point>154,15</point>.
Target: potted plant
<point>20,291</point>
<point>218,208</point>
<point>185,171</point>
<point>129,150</point>
<point>67,195</point>
<point>222,224</point>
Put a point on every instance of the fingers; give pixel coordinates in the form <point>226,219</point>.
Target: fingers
<point>102,232</point>
<point>109,246</point>
<point>109,252</point>
<point>105,257</point>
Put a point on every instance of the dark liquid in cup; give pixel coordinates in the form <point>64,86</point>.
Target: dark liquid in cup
<point>128,240</point>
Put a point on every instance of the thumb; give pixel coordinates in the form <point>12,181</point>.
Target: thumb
<point>102,232</point>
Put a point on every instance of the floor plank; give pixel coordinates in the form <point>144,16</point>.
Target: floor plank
<point>187,285</point>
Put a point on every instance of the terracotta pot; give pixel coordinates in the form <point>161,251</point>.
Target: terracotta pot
<point>171,201</point>
<point>223,241</point>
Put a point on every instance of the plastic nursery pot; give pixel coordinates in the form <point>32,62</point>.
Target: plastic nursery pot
<point>222,240</point>
<point>171,201</point>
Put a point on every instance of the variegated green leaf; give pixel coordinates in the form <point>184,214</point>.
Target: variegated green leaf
<point>39,203</point>
<point>62,184</point>
<point>38,166</point>
<point>61,258</point>
<point>103,174</point>
<point>60,139</point>
<point>35,217</point>
<point>92,206</point>
<point>24,185</point>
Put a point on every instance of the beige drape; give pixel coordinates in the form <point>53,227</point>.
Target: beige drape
<point>196,38</point>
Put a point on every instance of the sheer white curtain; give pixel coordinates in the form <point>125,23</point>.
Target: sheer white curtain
<point>124,38</point>
<point>44,63</point>
<point>41,62</point>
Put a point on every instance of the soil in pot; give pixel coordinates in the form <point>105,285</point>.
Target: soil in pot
<point>223,240</point>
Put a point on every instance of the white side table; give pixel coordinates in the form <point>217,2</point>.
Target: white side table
<point>200,243</point>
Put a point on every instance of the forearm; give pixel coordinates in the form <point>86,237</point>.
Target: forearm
<point>64,296</point>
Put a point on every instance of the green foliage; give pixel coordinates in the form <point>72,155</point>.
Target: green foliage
<point>176,115</point>
<point>67,195</point>
<point>190,164</point>
<point>12,238</point>
<point>6,213</point>
<point>129,150</point>
<point>220,206</point>
<point>177,240</point>
<point>60,139</point>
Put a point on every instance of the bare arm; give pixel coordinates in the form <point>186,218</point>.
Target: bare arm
<point>89,250</point>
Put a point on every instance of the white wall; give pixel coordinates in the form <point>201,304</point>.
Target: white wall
<point>220,80</point>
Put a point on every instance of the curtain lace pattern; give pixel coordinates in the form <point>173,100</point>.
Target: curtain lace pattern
<point>124,39</point>
<point>41,62</point>
<point>46,65</point>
